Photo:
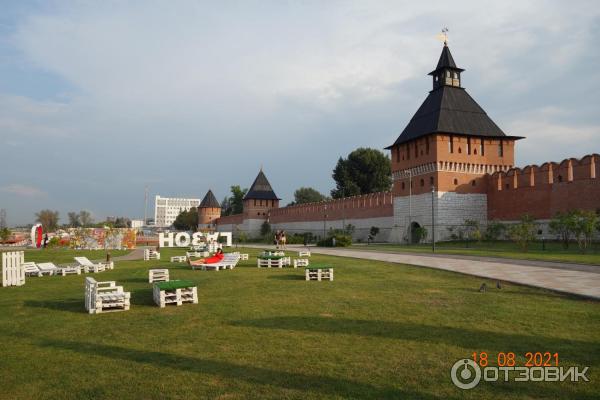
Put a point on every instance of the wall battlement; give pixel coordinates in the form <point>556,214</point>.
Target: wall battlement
<point>356,207</point>
<point>542,191</point>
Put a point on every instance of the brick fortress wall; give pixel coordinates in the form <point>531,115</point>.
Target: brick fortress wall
<point>542,191</point>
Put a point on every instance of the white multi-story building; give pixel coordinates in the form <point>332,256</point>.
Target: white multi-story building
<point>166,209</point>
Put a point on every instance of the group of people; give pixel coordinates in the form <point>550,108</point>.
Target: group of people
<point>280,239</point>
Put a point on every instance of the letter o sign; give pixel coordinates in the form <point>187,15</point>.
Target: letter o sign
<point>182,239</point>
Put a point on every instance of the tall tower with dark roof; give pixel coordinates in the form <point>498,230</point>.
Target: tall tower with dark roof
<point>260,198</point>
<point>450,144</point>
<point>209,210</point>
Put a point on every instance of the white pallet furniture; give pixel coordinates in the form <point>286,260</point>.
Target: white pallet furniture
<point>243,256</point>
<point>300,262</point>
<point>47,268</point>
<point>106,296</point>
<point>197,254</point>
<point>151,254</point>
<point>304,253</point>
<point>89,266</point>
<point>179,259</point>
<point>70,270</point>
<point>213,247</point>
<point>319,273</point>
<point>270,263</point>
<point>175,293</point>
<point>31,269</point>
<point>158,275</point>
<point>13,271</point>
<point>228,262</point>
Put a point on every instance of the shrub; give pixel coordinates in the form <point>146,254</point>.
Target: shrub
<point>473,230</point>
<point>420,233</point>
<point>341,240</point>
<point>300,238</point>
<point>523,232</point>
<point>494,230</point>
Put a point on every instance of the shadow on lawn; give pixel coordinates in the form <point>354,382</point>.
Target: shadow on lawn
<point>463,337</point>
<point>287,277</point>
<point>328,386</point>
<point>70,305</point>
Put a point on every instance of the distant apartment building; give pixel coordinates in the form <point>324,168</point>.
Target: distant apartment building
<point>166,209</point>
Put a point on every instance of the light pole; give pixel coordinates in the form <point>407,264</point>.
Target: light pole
<point>324,221</point>
<point>432,220</point>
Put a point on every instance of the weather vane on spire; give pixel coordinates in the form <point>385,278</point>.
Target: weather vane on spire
<point>444,35</point>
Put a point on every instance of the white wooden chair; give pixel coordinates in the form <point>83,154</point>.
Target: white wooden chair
<point>300,262</point>
<point>89,266</point>
<point>105,296</point>
<point>304,253</point>
<point>151,254</point>
<point>270,263</point>
<point>179,259</point>
<point>13,271</point>
<point>319,274</point>
<point>158,275</point>
<point>31,269</point>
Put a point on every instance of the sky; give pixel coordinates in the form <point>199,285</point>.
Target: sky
<point>99,99</point>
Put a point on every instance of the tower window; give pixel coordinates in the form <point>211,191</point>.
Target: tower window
<point>416,150</point>
<point>451,145</point>
<point>398,153</point>
<point>473,182</point>
<point>431,180</point>
<point>560,178</point>
<point>468,145</point>
<point>403,186</point>
<point>507,186</point>
<point>481,148</point>
<point>427,146</point>
<point>407,151</point>
<point>455,181</point>
<point>422,182</point>
<point>500,150</point>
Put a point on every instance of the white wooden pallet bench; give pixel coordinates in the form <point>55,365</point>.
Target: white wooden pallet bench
<point>179,259</point>
<point>151,254</point>
<point>31,269</point>
<point>47,268</point>
<point>70,270</point>
<point>304,253</point>
<point>243,256</point>
<point>300,262</point>
<point>319,272</point>
<point>13,271</point>
<point>197,254</point>
<point>89,266</point>
<point>228,262</point>
<point>101,297</point>
<point>158,275</point>
<point>175,292</point>
<point>271,262</point>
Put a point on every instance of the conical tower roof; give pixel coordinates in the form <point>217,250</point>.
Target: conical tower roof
<point>261,189</point>
<point>209,201</point>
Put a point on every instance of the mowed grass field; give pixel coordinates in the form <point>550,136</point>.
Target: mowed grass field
<point>379,331</point>
<point>549,251</point>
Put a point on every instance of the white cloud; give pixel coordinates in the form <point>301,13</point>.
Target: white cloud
<point>22,190</point>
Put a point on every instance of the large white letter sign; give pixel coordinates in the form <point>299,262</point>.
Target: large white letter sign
<point>165,242</point>
<point>182,239</point>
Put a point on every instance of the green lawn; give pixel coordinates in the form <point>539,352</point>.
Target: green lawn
<point>379,331</point>
<point>553,251</point>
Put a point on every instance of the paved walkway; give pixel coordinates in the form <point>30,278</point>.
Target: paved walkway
<point>554,277</point>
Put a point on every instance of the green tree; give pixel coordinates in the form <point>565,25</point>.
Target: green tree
<point>473,230</point>
<point>122,222</point>
<point>563,225</point>
<point>4,234</point>
<point>74,221</point>
<point>584,226</point>
<point>48,219</point>
<point>234,204</point>
<point>187,220</point>
<point>364,171</point>
<point>523,232</point>
<point>86,218</point>
<point>307,195</point>
<point>374,231</point>
<point>265,229</point>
